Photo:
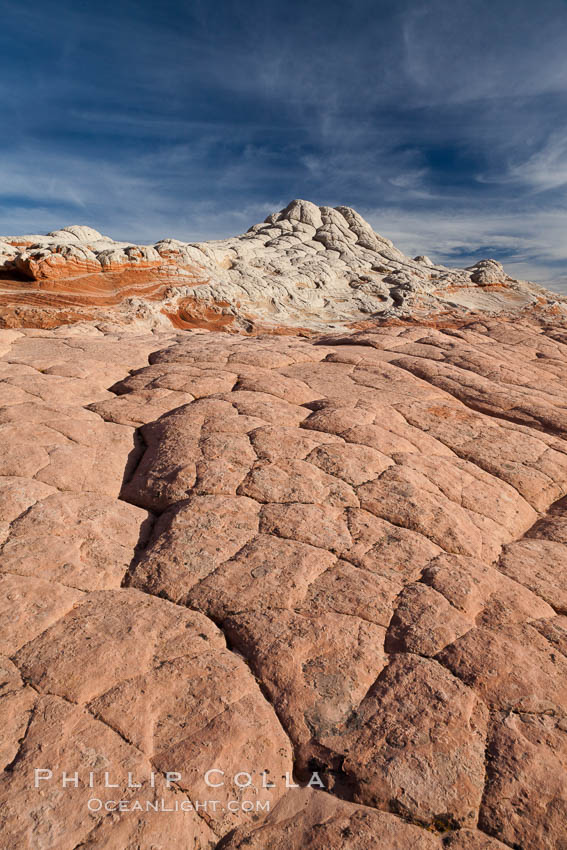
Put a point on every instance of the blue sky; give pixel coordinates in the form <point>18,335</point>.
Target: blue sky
<point>444,122</point>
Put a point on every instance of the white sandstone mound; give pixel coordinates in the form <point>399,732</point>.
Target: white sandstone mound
<point>305,266</point>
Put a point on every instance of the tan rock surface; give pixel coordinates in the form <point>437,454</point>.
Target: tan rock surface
<point>525,800</point>
<point>341,557</point>
<point>307,818</point>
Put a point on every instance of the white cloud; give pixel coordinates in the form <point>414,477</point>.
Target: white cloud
<point>544,169</point>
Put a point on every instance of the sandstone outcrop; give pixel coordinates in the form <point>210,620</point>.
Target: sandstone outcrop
<point>304,267</point>
<point>320,558</point>
<point>336,563</point>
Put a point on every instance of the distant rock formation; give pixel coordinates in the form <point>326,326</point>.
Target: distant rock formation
<point>306,266</point>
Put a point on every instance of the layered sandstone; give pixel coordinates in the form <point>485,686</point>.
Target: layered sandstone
<point>342,555</point>
<point>305,267</point>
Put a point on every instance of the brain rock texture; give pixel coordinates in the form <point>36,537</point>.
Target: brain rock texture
<point>305,268</point>
<point>321,558</point>
<point>342,557</point>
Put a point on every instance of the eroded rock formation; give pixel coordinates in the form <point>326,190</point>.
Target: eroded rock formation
<point>341,556</point>
<point>304,267</point>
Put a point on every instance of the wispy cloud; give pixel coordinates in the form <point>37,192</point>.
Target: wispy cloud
<point>544,169</point>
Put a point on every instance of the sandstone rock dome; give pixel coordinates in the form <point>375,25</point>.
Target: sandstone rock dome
<point>304,267</point>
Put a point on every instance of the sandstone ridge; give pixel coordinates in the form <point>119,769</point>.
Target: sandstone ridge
<point>304,267</point>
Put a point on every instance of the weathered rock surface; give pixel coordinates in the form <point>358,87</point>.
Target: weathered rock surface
<point>304,267</point>
<point>339,560</point>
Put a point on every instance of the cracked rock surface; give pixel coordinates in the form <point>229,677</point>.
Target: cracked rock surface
<point>341,556</point>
